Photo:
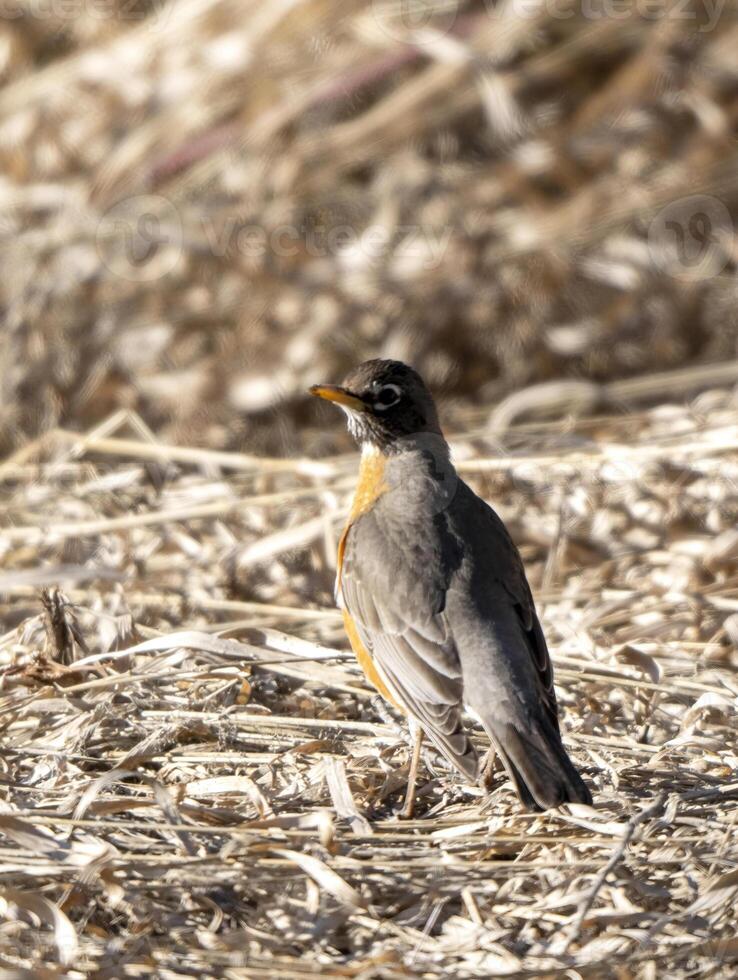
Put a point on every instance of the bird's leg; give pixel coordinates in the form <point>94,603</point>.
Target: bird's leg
<point>409,808</point>
<point>380,706</point>
<point>487,769</point>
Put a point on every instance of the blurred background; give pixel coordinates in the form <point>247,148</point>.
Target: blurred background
<point>207,205</point>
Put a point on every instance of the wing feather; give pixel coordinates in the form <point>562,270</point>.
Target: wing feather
<point>393,608</point>
<point>515,584</point>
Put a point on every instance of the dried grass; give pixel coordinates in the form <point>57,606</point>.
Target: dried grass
<point>517,159</point>
<point>195,779</point>
<point>197,782</point>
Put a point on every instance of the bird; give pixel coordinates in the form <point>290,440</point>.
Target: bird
<point>435,599</point>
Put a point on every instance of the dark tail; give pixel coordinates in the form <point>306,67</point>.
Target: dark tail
<point>539,766</point>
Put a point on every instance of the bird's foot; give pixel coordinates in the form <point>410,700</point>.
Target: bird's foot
<point>409,808</point>
<point>490,764</point>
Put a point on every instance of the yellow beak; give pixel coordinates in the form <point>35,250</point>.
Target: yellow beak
<point>334,393</point>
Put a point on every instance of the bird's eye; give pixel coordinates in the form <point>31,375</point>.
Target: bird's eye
<point>387,396</point>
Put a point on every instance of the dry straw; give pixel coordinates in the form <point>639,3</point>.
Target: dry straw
<point>207,205</point>
<point>197,781</point>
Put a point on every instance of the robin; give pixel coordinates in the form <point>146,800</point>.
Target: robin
<point>434,595</point>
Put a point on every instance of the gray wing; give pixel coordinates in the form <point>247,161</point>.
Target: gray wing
<point>507,668</point>
<point>506,584</point>
<point>393,584</point>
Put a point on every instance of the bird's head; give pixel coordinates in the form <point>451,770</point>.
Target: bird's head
<point>386,403</point>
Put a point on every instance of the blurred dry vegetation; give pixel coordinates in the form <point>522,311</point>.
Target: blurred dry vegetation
<point>206,206</point>
<point>513,156</point>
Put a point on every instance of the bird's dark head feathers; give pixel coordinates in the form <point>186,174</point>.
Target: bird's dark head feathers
<point>385,402</point>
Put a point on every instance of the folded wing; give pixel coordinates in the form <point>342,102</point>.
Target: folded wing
<point>397,609</point>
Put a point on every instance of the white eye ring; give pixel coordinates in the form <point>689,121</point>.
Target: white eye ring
<point>380,405</point>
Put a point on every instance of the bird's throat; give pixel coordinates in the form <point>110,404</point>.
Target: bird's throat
<point>371,483</point>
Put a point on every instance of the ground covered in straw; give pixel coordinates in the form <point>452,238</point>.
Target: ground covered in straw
<point>196,781</point>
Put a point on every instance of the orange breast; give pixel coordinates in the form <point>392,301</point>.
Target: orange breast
<point>365,660</point>
<point>370,486</point>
